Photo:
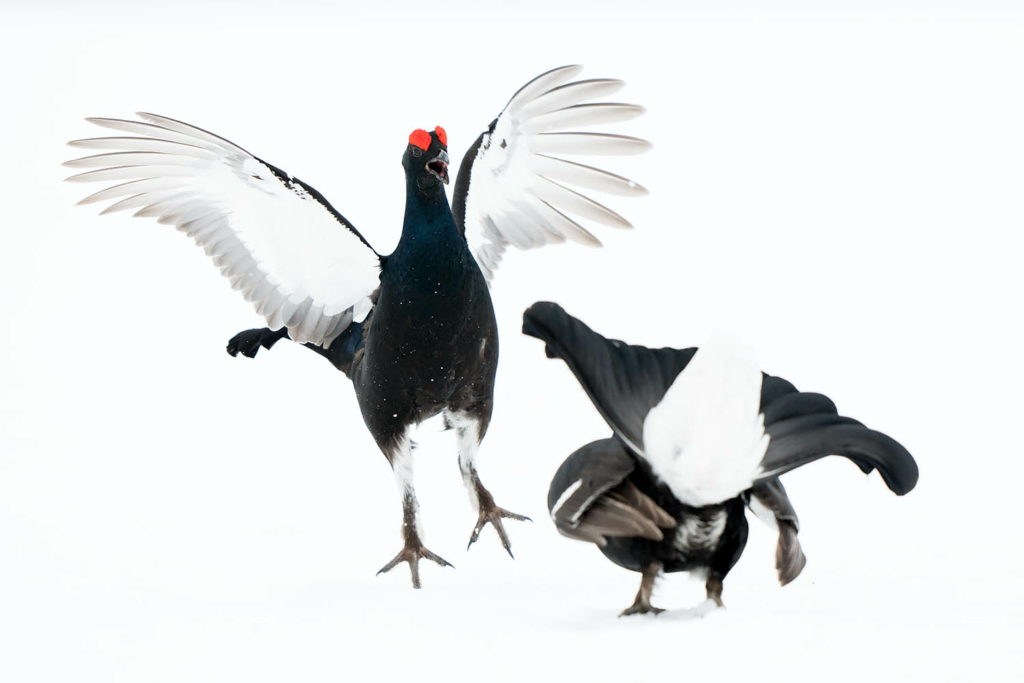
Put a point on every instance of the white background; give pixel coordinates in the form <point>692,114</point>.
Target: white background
<point>840,184</point>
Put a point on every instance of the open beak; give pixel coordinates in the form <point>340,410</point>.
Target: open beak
<point>439,166</point>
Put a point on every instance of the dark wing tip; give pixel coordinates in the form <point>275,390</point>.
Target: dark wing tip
<point>537,318</point>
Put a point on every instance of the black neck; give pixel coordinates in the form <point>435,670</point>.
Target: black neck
<point>428,218</point>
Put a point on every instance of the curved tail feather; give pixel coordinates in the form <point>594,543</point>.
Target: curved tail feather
<point>800,440</point>
<point>624,382</point>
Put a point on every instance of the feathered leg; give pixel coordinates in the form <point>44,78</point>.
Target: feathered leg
<point>642,603</point>
<point>400,456</point>
<point>469,434</point>
<point>714,588</point>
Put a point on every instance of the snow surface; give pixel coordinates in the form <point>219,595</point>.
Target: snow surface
<point>841,186</point>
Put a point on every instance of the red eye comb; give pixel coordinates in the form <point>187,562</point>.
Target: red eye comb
<point>420,138</point>
<point>441,135</point>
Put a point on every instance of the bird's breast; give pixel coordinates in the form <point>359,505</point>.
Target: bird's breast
<point>701,530</point>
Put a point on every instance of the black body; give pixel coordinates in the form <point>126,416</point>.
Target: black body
<point>431,341</point>
<point>607,493</point>
<point>674,548</point>
<point>428,346</point>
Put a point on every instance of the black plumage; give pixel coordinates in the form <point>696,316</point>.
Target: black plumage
<point>608,492</point>
<point>414,330</point>
<point>428,346</point>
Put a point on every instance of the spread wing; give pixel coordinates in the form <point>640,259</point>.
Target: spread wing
<point>514,188</point>
<point>278,241</point>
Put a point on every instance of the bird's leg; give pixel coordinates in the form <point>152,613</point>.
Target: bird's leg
<point>490,512</point>
<point>714,588</point>
<point>414,550</point>
<point>469,436</point>
<point>642,603</point>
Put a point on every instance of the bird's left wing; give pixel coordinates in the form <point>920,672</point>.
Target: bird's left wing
<point>591,499</point>
<point>514,188</point>
<point>278,241</point>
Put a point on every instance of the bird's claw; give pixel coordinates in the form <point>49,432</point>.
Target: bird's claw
<point>413,553</point>
<point>641,608</point>
<point>494,515</point>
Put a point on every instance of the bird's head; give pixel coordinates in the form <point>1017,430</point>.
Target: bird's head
<point>426,159</point>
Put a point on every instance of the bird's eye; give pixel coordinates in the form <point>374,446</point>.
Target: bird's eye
<point>503,145</point>
<point>417,152</point>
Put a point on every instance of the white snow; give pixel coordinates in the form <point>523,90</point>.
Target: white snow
<point>169,513</point>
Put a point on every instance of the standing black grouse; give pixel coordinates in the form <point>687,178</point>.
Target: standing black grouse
<point>414,330</point>
<point>698,434</point>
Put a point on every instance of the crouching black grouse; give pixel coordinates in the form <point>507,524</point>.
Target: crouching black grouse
<point>698,434</point>
<point>415,330</point>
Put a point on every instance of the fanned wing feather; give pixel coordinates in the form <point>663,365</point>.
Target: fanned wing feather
<point>512,170</point>
<point>585,115</point>
<point>278,241</point>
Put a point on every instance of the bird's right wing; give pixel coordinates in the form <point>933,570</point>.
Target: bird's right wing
<point>591,499</point>
<point>768,500</point>
<point>515,188</point>
<point>278,241</point>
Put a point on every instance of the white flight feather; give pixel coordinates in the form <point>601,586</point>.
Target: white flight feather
<point>284,250</point>
<point>517,192</point>
<point>706,438</point>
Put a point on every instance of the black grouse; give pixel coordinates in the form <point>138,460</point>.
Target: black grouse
<point>698,435</point>
<point>414,330</point>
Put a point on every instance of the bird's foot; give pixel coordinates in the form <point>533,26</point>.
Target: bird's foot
<point>412,553</point>
<point>641,607</point>
<point>642,602</point>
<point>489,512</point>
<point>248,342</point>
